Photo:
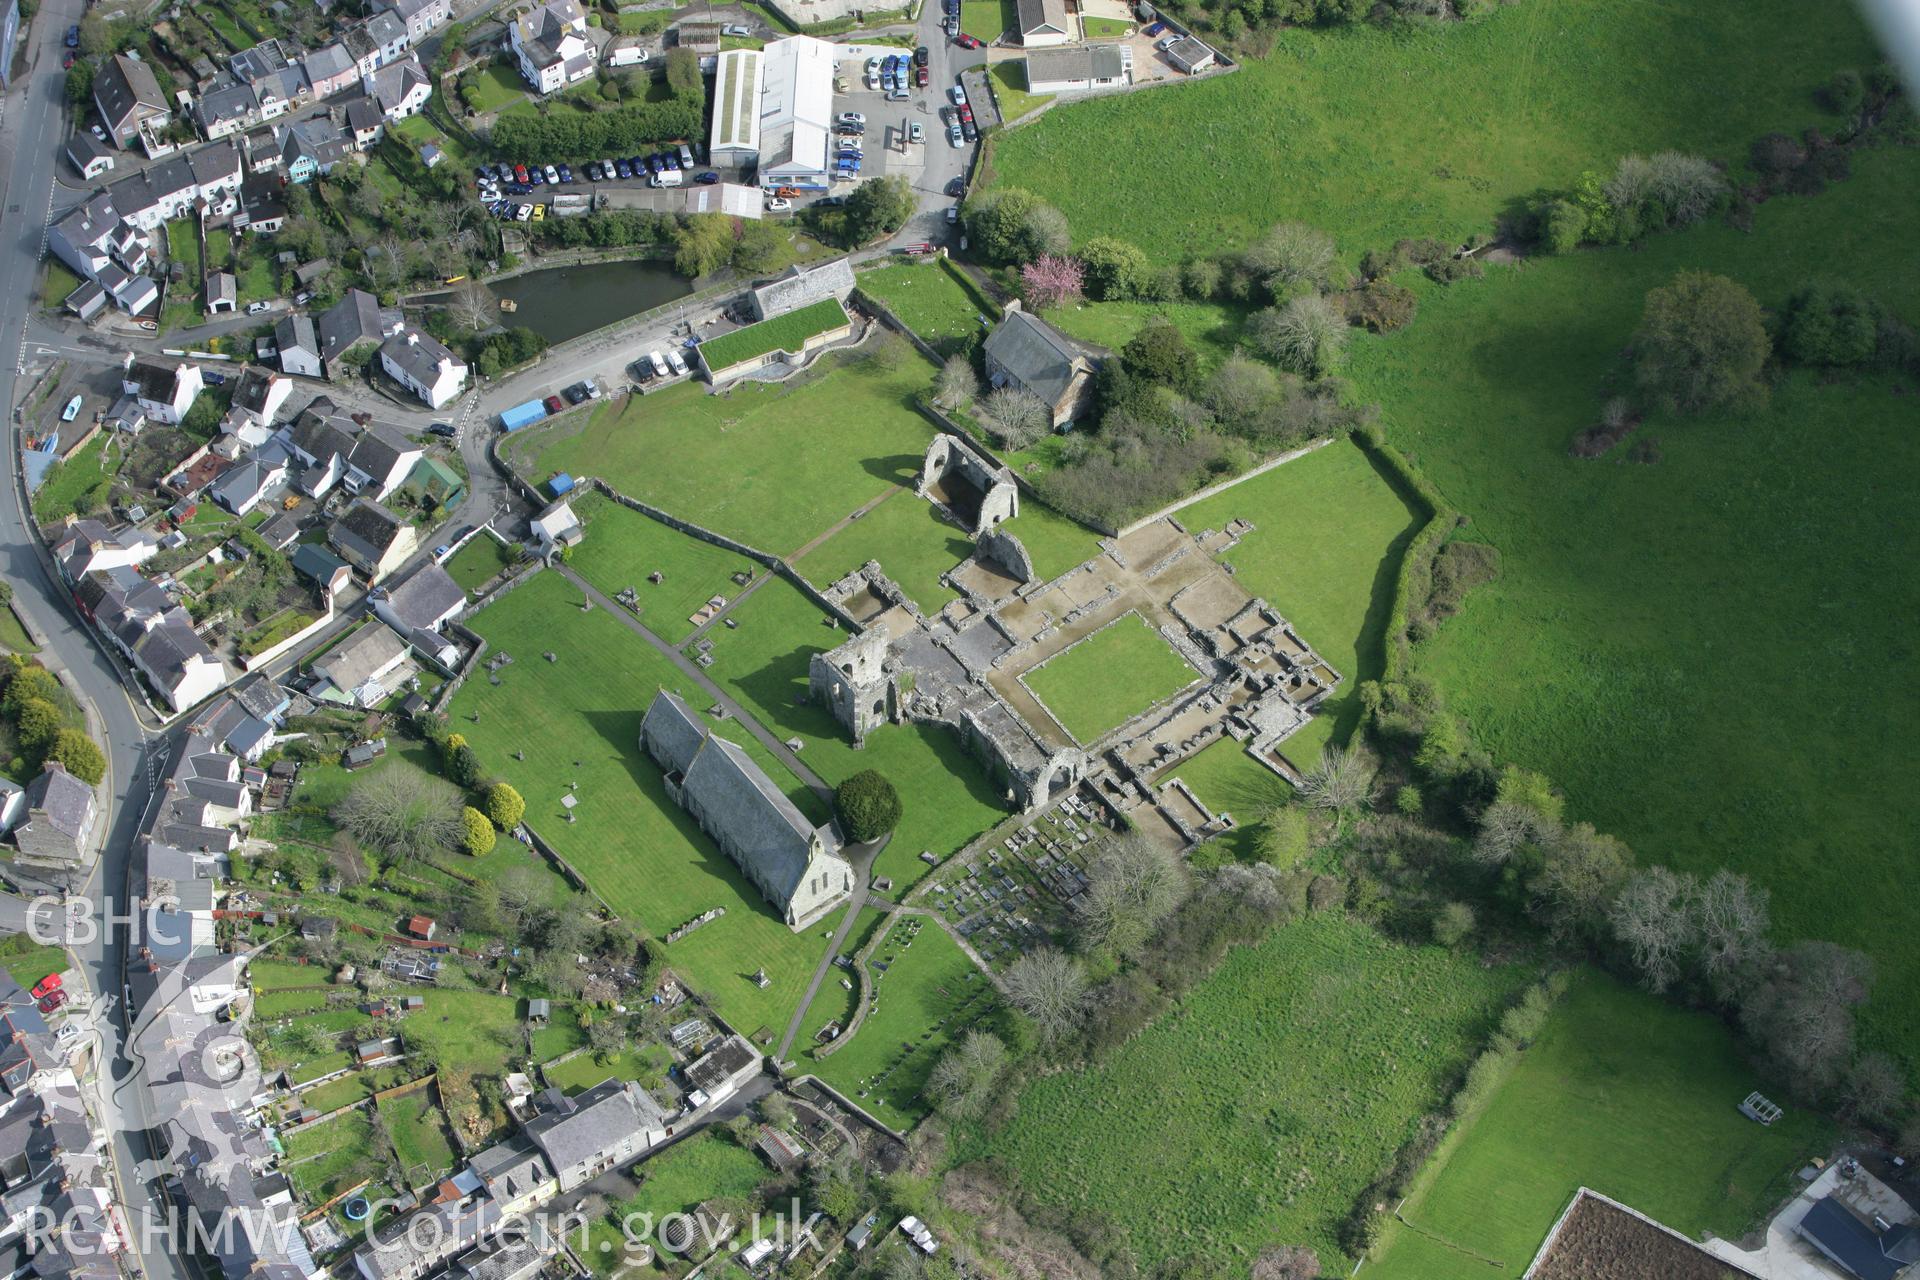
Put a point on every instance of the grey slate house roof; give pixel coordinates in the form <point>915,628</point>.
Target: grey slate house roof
<point>794,864</point>
<point>384,29</point>
<point>511,1169</point>
<point>60,815</point>
<point>424,598</point>
<point>1042,16</point>
<point>364,118</point>
<point>280,531</point>
<point>316,562</point>
<point>419,353</point>
<point>1031,354</point>
<point>607,1125</point>
<point>367,528</point>
<point>348,323</point>
<point>327,62</point>
<point>126,93</point>
<point>391,84</point>
<point>84,150</point>
<point>224,106</point>
<point>1085,62</point>
<point>799,288</point>
<point>360,657</point>
<point>264,59</point>
<point>317,138</point>
<point>249,480</point>
<point>295,333</point>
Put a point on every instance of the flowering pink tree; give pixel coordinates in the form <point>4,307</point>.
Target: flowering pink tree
<point>1050,280</point>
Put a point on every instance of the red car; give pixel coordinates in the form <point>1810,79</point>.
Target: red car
<point>66,63</point>
<point>966,41</point>
<point>966,114</point>
<point>555,404</point>
<point>920,75</point>
<point>46,985</point>
<point>52,1000</point>
<point>520,173</point>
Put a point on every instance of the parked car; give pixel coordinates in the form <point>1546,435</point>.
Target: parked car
<point>574,394</point>
<point>555,404</point>
<point>520,174</point>
<point>916,132</point>
<point>778,204</point>
<point>257,308</point>
<point>920,56</point>
<point>303,297</point>
<point>968,129</point>
<point>654,164</point>
<point>553,174</point>
<point>642,369</point>
<point>852,117</point>
<point>47,984</point>
<point>957,187</point>
<point>966,41</point>
<point>524,213</point>
<point>215,378</point>
<point>622,169</point>
<point>966,112</point>
<point>953,214</point>
<point>671,159</point>
<point>920,77</point>
<point>660,369</point>
<point>1154,29</point>
<point>540,213</point>
<point>446,429</point>
<point>706,179</point>
<point>97,132</point>
<point>73,36</point>
<point>52,1000</point>
<point>957,96</point>
<point>686,156</point>
<point>593,171</point>
<point>736,29</point>
<point>566,174</point>
<point>66,63</point>
<point>955,137</point>
<point>537,177</point>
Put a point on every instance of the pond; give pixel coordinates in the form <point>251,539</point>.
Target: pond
<point>559,303</point>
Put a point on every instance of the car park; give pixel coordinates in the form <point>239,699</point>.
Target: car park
<point>916,132</point>
<point>442,429</point>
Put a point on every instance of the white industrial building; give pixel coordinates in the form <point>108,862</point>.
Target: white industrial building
<point>796,113</point>
<point>736,109</point>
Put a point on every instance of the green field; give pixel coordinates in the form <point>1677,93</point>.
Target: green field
<point>476,563</point>
<point>927,994</point>
<point>910,539</point>
<point>623,548</point>
<point>929,300</point>
<point>420,1137</point>
<point>788,332</point>
<point>678,1180</point>
<point>1099,683</point>
<point>947,799</point>
<point>735,463</point>
<point>1638,1098</point>
<point>1378,134</point>
<point>1329,530</point>
<point>1632,647</point>
<point>1259,1109</point>
<point>638,849</point>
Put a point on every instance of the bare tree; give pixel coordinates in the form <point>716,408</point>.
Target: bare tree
<point>1342,781</point>
<point>1653,915</point>
<point>1133,883</point>
<point>401,813</point>
<point>471,306</point>
<point>1293,254</point>
<point>1016,416</point>
<point>1307,334</point>
<point>1874,1088</point>
<point>957,385</point>
<point>1504,829</point>
<point>1050,987</point>
<point>1732,920</point>
<point>1576,883</point>
<point>1286,1262</point>
<point>1801,1012</point>
<point>962,1082</point>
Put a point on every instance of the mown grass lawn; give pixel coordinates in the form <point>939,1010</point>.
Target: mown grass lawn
<point>475,564</point>
<point>637,848</point>
<point>58,282</point>
<point>498,86</point>
<point>676,1181</point>
<point>1228,780</point>
<point>1278,1089</point>
<point>586,1070</point>
<point>1634,647</point>
<point>326,1160</point>
<point>624,549</point>
<point>1099,683</point>
<point>945,796</point>
<point>773,466</point>
<point>1376,134</point>
<point>986,19</point>
<point>1009,78</point>
<point>28,961</point>
<point>1615,1075</point>
<point>909,538</point>
<point>1329,529</point>
<point>928,300</point>
<point>420,1137</point>
<point>928,994</point>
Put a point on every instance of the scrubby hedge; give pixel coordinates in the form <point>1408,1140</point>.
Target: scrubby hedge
<point>1414,583</point>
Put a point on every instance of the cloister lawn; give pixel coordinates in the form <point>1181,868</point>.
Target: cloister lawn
<point>1100,682</point>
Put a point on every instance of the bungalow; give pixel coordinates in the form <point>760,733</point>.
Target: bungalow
<point>1079,68</point>
<point>88,155</point>
<point>372,539</point>
<point>131,106</point>
<point>1043,22</point>
<point>299,346</point>
<point>363,669</point>
<point>1027,353</point>
<point>165,390</point>
<point>312,561</point>
<point>423,365</point>
<point>257,477</point>
<point>549,42</point>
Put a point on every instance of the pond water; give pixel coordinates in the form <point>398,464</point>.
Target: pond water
<point>559,303</point>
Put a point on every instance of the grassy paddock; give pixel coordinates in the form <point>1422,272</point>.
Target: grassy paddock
<point>928,299</point>
<point>1616,1075</point>
<point>1295,1072</point>
<point>623,548</point>
<point>1631,647</point>
<point>1376,134</point>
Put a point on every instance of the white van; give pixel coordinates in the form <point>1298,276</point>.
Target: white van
<point>667,178</point>
<point>679,365</point>
<point>660,369</point>
<point>686,156</point>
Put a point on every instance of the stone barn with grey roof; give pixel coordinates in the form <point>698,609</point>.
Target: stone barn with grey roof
<point>795,865</point>
<point>1026,352</point>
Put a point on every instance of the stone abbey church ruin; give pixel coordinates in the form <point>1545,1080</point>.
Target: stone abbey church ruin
<point>1255,679</point>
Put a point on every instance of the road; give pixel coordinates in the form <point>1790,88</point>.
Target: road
<point>31,128</point>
